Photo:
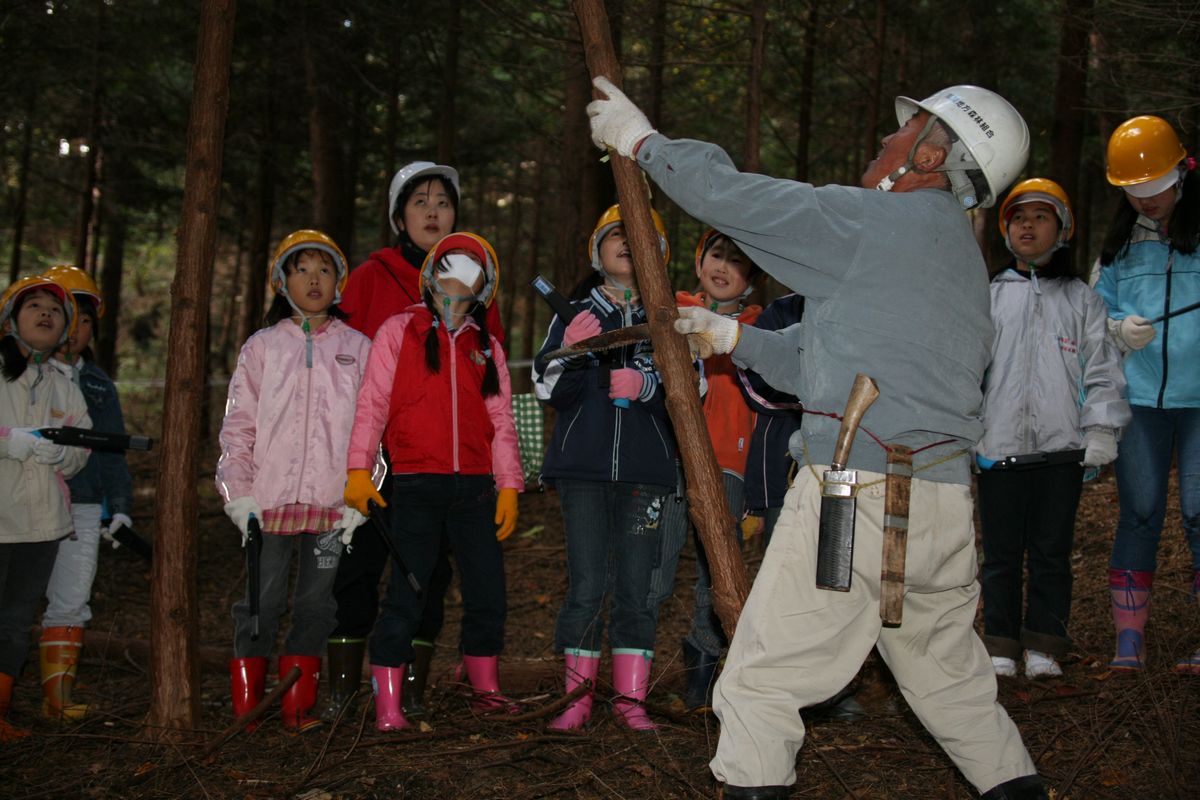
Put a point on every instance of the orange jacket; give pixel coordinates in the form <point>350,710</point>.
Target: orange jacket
<point>730,421</point>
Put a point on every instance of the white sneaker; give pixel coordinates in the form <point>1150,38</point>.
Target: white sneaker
<point>1005,667</point>
<point>1040,665</point>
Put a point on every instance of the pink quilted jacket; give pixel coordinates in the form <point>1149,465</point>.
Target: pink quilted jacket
<point>287,425</point>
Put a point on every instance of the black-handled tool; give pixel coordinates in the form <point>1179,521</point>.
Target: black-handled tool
<point>559,304</point>
<point>254,543</point>
<point>95,440</point>
<point>381,529</point>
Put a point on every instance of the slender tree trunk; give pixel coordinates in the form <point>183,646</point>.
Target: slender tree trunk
<point>517,283</point>
<point>110,289</point>
<point>447,117</point>
<point>14,268</point>
<point>658,47</point>
<point>533,334</point>
<point>175,679</point>
<point>226,351</point>
<point>254,279</point>
<point>706,494</point>
<point>758,46</point>
<point>1070,97</point>
<point>391,131</point>
<point>808,67</point>
<point>875,96</point>
<point>87,194</point>
<point>586,186</point>
<point>325,127</point>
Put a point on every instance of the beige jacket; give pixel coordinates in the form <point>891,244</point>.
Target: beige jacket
<point>37,507</point>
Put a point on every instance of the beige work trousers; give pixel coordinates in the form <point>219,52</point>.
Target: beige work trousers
<point>797,645</point>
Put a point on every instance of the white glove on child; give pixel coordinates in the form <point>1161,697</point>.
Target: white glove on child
<point>617,122</point>
<point>351,519</point>
<point>1100,447</point>
<point>48,452</point>
<point>115,524</point>
<point>20,443</point>
<point>239,510</point>
<point>707,333</point>
<point>1136,332</point>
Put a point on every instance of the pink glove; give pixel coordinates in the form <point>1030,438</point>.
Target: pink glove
<point>626,384</point>
<point>584,326</point>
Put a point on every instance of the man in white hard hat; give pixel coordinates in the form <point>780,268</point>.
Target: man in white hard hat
<point>895,288</point>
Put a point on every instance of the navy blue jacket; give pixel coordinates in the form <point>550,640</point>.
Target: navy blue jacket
<point>593,439</point>
<point>779,415</point>
<point>105,478</point>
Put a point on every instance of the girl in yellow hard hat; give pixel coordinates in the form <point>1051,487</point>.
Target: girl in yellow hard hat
<point>1054,387</point>
<point>36,317</point>
<point>1149,276</point>
<point>103,490</point>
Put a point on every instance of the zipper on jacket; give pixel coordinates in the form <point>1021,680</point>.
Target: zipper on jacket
<point>452,337</point>
<point>1032,302</point>
<point>1162,389</point>
<point>307,411</point>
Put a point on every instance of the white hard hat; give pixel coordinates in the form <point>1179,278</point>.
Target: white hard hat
<point>992,138</point>
<point>408,174</point>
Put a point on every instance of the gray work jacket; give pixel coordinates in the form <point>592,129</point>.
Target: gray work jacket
<point>895,287</point>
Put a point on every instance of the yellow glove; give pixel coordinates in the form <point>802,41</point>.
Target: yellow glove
<point>752,525</point>
<point>506,513</point>
<point>360,490</point>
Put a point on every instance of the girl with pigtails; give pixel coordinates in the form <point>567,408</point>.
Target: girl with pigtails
<point>437,394</point>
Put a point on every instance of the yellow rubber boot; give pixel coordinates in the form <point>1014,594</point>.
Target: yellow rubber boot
<point>8,731</point>
<point>59,651</point>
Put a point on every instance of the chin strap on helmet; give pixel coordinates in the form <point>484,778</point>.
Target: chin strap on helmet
<point>957,163</point>
<point>305,325</point>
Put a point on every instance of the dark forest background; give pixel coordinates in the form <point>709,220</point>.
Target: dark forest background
<point>328,99</point>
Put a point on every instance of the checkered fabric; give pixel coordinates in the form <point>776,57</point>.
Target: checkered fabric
<point>527,412</point>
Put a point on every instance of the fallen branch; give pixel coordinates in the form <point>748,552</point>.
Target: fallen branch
<point>549,708</point>
<point>240,723</point>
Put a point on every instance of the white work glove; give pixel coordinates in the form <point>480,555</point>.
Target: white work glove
<point>351,519</point>
<point>1100,447</point>
<point>239,510</point>
<point>1136,332</point>
<point>707,333</point>
<point>616,122</point>
<point>48,452</point>
<point>20,443</point>
<point>115,524</point>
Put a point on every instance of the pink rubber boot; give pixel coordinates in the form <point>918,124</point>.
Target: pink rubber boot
<point>1130,594</point>
<point>387,682</point>
<point>582,667</point>
<point>483,673</point>
<point>631,680</point>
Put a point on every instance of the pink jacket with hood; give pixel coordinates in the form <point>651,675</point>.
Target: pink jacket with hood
<point>287,425</point>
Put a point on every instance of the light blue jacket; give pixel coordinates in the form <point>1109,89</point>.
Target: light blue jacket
<point>1149,279</point>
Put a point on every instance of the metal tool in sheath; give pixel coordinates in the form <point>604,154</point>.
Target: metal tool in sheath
<point>94,440</point>
<point>835,542</point>
<point>897,489</point>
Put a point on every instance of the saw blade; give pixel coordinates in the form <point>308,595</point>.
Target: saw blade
<point>604,341</point>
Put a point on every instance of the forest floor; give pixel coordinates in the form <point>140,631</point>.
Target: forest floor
<point>1092,733</point>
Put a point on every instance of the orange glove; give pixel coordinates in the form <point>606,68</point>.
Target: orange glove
<point>752,525</point>
<point>506,513</point>
<point>360,490</point>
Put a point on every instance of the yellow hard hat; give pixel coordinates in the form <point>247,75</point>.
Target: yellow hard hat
<point>612,218</point>
<point>8,300</point>
<point>1142,149</point>
<point>77,282</point>
<point>1040,190</point>
<point>472,243</point>
<point>309,240</point>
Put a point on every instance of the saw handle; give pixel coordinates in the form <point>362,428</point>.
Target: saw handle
<point>559,304</point>
<point>862,395</point>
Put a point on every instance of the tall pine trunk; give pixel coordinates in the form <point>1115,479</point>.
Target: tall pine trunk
<point>174,673</point>
<point>1070,96</point>
<point>758,45</point>
<point>447,116</point>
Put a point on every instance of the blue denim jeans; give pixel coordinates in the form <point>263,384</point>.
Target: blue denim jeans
<point>460,509</point>
<point>1143,465</point>
<point>314,611</point>
<point>614,537</point>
